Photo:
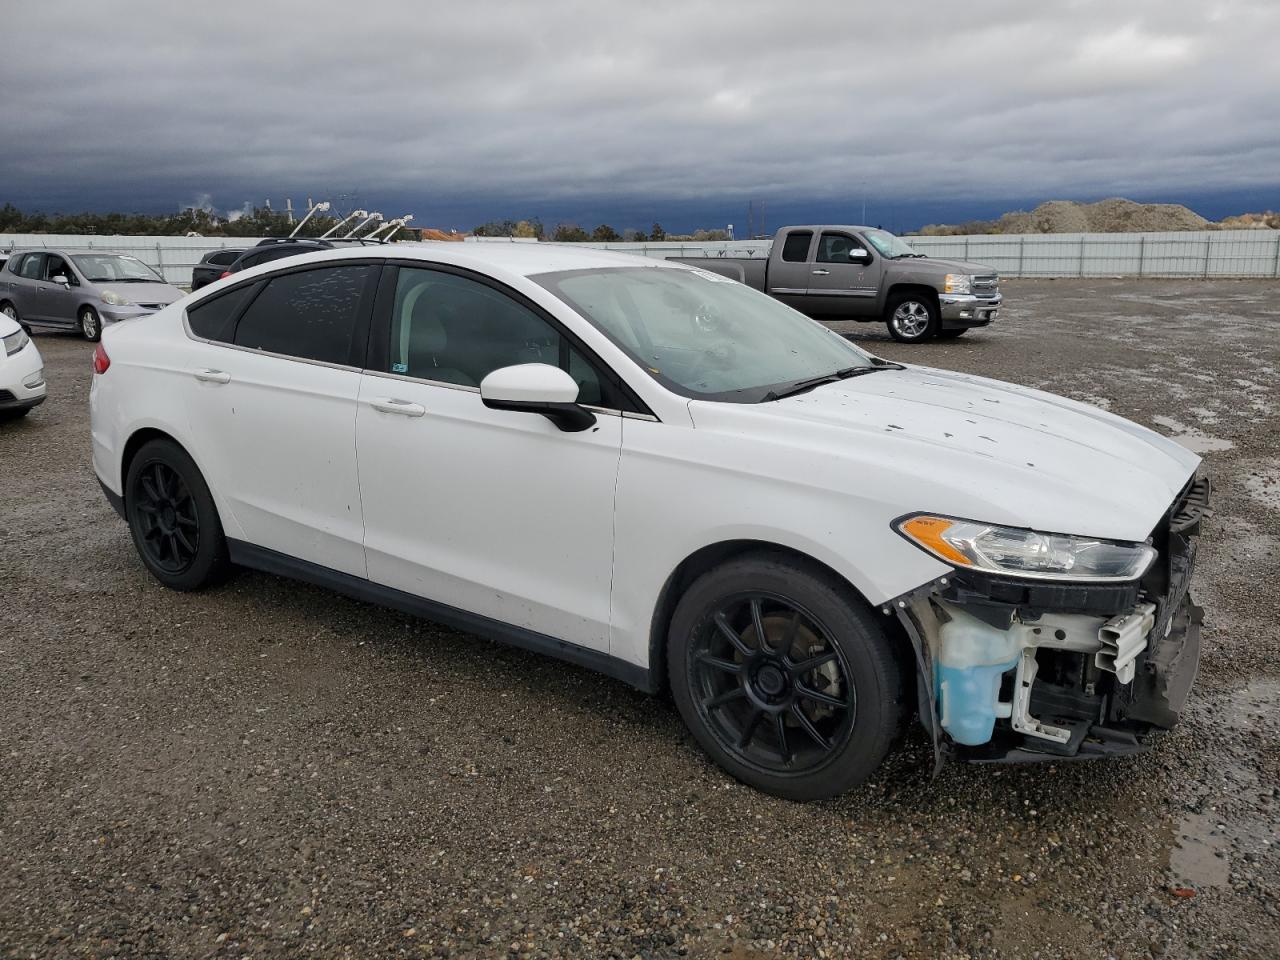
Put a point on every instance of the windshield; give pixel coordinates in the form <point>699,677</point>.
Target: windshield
<point>116,268</point>
<point>889,246</point>
<point>704,335</point>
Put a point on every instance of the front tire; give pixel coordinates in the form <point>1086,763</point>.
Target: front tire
<point>90,324</point>
<point>784,677</point>
<point>173,519</point>
<point>10,311</point>
<point>912,317</point>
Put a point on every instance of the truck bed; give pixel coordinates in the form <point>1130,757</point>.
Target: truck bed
<point>751,271</point>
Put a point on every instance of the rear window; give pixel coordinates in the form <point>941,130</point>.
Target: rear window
<point>223,258</point>
<point>796,247</point>
<point>212,319</point>
<point>311,315</point>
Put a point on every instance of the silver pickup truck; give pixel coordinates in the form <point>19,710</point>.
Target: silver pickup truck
<point>862,273</point>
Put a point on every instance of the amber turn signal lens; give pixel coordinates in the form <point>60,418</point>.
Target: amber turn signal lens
<point>928,531</point>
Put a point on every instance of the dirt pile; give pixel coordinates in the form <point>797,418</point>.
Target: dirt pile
<point>1115,215</point>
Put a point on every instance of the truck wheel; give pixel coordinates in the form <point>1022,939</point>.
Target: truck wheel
<point>911,317</point>
<point>784,677</point>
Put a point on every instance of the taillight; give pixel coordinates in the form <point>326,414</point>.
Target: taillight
<point>225,274</point>
<point>100,359</point>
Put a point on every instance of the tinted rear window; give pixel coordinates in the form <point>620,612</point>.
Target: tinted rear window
<point>311,315</point>
<point>796,247</point>
<point>212,318</point>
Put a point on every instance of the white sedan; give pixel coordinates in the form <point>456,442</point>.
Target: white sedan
<point>22,386</point>
<point>659,473</point>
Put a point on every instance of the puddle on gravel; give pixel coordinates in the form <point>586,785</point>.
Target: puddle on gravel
<point>1205,841</point>
<point>1198,859</point>
<point>1197,441</point>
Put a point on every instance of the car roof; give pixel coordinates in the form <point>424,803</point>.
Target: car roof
<point>523,259</point>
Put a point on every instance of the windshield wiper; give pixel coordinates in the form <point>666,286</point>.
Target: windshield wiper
<point>802,386</point>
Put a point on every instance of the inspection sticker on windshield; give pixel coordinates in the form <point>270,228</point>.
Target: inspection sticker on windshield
<point>716,277</point>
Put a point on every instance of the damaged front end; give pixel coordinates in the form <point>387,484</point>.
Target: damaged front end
<point>1015,669</point>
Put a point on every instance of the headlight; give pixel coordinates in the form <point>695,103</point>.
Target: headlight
<point>957,283</point>
<point>15,342</point>
<point>113,298</point>
<point>1026,553</point>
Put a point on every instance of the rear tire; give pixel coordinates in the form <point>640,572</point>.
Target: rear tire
<point>806,715</point>
<point>173,518</point>
<point>912,317</point>
<point>90,324</point>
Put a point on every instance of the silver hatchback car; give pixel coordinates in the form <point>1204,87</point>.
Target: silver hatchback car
<point>83,291</point>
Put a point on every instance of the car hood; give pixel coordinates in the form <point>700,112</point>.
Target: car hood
<point>143,292</point>
<point>920,439</point>
<point>8,327</point>
<point>955,266</point>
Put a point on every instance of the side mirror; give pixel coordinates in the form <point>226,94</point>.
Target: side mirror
<point>537,388</point>
<point>859,255</point>
<point>59,278</point>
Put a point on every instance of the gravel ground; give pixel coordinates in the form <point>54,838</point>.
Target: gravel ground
<point>270,770</point>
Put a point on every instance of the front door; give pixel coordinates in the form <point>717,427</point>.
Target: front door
<point>271,404</point>
<point>493,512</point>
<point>59,300</point>
<point>840,283</point>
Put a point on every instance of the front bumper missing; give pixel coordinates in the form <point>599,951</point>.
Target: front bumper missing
<point>1071,671</point>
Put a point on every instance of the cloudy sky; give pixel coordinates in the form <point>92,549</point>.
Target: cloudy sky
<point>680,112</point>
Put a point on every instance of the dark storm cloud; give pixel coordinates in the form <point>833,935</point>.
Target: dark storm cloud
<point>686,101</point>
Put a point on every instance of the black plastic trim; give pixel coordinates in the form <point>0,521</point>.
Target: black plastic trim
<point>6,405</point>
<point>113,498</point>
<point>270,561</point>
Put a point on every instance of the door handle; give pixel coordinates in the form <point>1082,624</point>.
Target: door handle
<point>821,273</point>
<point>212,376</point>
<point>403,408</point>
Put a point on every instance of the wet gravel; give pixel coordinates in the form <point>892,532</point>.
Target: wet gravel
<point>272,770</point>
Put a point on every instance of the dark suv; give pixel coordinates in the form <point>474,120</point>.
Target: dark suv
<point>212,266</point>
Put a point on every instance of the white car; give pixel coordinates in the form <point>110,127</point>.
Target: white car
<point>22,385</point>
<point>662,474</point>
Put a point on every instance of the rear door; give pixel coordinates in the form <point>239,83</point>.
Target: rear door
<point>789,268</point>
<point>25,287</point>
<point>845,277</point>
<point>273,377</point>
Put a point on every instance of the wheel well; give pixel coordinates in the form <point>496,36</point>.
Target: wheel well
<point>713,556</point>
<point>134,444</point>
<point>916,289</point>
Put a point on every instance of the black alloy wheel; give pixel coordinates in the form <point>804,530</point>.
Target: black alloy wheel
<point>173,518</point>
<point>784,677</point>
<point>167,515</point>
<point>771,684</point>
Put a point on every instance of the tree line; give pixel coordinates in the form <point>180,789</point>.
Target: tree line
<point>266,222</point>
<point>533,229</point>
<point>261,222</point>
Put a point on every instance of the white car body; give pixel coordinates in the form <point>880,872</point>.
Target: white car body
<point>572,537</point>
<point>22,383</point>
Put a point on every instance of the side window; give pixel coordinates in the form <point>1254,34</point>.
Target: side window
<point>31,264</point>
<point>311,315</point>
<point>795,249</point>
<point>456,330</point>
<point>223,259</point>
<point>55,266</point>
<point>212,318</point>
<point>834,248</point>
